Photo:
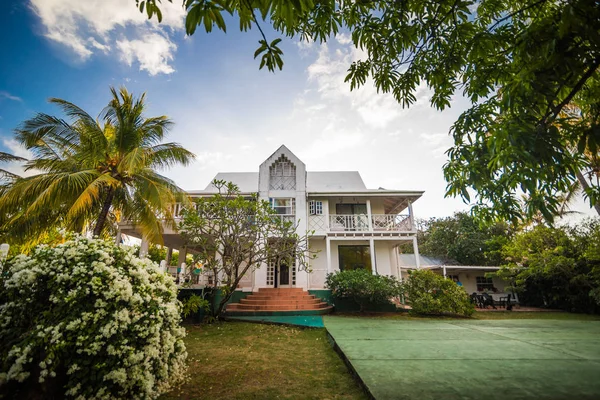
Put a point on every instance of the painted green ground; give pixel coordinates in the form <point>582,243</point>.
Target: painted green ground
<point>494,359</point>
<point>238,360</point>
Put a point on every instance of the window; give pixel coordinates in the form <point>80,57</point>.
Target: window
<point>354,257</point>
<point>315,207</point>
<point>283,175</point>
<point>283,206</point>
<point>351,209</point>
<point>484,283</point>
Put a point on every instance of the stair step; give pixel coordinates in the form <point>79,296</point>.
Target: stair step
<point>281,290</point>
<point>277,297</point>
<point>280,302</point>
<point>269,307</point>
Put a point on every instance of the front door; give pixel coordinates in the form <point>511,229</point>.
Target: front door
<point>283,274</point>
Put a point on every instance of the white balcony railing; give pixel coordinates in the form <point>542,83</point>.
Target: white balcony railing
<point>360,223</point>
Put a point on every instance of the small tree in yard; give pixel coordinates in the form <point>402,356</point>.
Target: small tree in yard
<point>432,294</point>
<point>234,234</point>
<point>364,288</point>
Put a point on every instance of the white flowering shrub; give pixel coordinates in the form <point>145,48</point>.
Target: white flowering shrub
<point>88,320</point>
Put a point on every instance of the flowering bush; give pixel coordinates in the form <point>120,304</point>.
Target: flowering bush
<point>88,320</point>
<point>432,294</point>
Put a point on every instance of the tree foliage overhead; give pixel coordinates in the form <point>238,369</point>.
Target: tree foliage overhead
<point>232,235</point>
<point>90,171</point>
<point>520,63</point>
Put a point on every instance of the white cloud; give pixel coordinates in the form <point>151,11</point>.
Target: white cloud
<point>16,149</point>
<point>90,26</point>
<point>153,53</point>
<point>5,95</point>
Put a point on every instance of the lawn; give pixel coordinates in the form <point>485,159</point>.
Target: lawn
<point>236,360</point>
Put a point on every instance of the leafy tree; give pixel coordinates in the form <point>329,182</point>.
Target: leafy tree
<point>432,294</point>
<point>551,266</point>
<point>94,170</point>
<point>520,63</point>
<point>462,239</point>
<point>232,235</point>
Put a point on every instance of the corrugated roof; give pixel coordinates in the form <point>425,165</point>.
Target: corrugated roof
<point>334,181</point>
<point>318,181</point>
<point>247,182</point>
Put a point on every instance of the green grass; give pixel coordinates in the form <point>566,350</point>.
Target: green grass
<point>237,360</point>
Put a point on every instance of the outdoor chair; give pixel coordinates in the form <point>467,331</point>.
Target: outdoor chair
<point>477,300</point>
<point>488,301</point>
<point>506,301</point>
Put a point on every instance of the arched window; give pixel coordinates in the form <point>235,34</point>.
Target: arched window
<point>283,175</point>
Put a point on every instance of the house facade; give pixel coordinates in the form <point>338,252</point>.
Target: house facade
<point>351,226</point>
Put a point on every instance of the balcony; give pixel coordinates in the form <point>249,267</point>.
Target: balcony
<point>361,223</point>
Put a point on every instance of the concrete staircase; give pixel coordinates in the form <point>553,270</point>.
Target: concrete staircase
<point>279,301</point>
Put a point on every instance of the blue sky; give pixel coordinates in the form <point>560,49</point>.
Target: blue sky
<point>229,113</point>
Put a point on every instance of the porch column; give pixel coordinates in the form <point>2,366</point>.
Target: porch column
<point>397,254</point>
<point>416,251</point>
<point>169,255</point>
<point>373,259</point>
<point>411,216</point>
<point>328,253</point>
<point>444,271</point>
<point>369,215</point>
<point>144,247</point>
<point>182,256</point>
<point>118,237</point>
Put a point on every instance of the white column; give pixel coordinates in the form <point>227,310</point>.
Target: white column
<point>369,215</point>
<point>328,253</point>
<point>444,271</point>
<point>118,237</point>
<point>373,259</point>
<point>411,217</point>
<point>416,251</point>
<point>398,262</point>
<point>144,247</point>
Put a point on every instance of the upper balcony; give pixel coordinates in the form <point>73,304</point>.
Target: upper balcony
<point>339,223</point>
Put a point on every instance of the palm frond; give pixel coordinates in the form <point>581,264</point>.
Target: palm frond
<point>168,154</point>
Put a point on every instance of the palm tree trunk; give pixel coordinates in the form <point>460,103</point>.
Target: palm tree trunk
<point>585,185</point>
<point>104,212</point>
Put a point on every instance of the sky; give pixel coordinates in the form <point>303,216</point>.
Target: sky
<point>228,112</point>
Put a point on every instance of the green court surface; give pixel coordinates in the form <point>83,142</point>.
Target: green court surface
<point>470,359</point>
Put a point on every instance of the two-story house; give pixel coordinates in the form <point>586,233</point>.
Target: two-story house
<point>354,227</point>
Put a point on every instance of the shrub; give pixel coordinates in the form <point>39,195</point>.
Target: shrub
<point>87,319</point>
<point>432,294</point>
<point>363,287</point>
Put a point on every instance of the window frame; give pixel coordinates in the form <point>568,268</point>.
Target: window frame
<point>315,207</point>
<point>483,283</point>
<point>291,206</point>
<point>366,250</point>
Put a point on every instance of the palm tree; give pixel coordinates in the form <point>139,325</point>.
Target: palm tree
<point>96,169</point>
<point>6,157</point>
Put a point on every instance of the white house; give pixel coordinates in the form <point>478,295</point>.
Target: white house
<point>354,227</point>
